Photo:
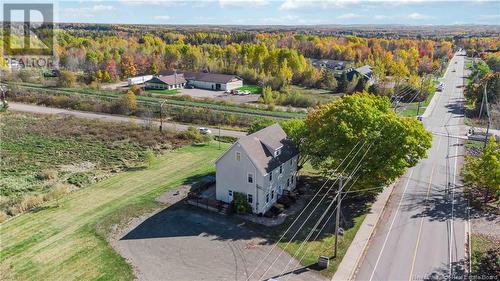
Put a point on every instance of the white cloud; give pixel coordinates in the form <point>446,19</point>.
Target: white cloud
<point>243,3</point>
<point>163,17</point>
<point>102,7</point>
<point>349,16</point>
<point>418,16</point>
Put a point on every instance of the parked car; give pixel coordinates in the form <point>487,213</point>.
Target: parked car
<point>189,86</point>
<point>204,130</point>
<point>440,87</point>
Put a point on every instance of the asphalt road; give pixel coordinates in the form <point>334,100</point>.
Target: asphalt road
<point>422,233</point>
<point>111,118</point>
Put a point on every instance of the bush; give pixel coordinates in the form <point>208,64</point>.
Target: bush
<point>48,175</point>
<point>66,79</point>
<point>31,202</point>
<point>149,157</point>
<point>240,204</point>
<point>79,179</point>
<point>56,193</point>
<point>3,216</point>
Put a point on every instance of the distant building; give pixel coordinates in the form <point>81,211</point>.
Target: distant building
<point>213,81</point>
<point>168,82</point>
<point>139,80</point>
<point>334,65</point>
<point>365,72</point>
<point>262,166</point>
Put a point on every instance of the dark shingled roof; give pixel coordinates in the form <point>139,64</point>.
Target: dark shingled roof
<point>169,80</point>
<point>210,77</point>
<point>258,145</point>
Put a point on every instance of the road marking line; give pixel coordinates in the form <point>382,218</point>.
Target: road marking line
<point>390,227</point>
<point>422,220</point>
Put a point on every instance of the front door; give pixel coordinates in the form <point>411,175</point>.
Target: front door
<point>217,87</point>
<point>230,196</point>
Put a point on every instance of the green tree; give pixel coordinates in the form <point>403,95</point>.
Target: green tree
<point>395,143</point>
<point>343,83</point>
<point>327,80</point>
<point>482,174</point>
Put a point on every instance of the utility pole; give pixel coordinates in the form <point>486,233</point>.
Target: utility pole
<point>161,115</point>
<point>337,217</point>
<point>487,115</point>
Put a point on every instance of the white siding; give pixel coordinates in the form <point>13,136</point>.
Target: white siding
<point>233,175</point>
<point>233,85</point>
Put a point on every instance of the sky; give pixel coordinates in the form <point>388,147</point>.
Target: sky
<point>278,12</point>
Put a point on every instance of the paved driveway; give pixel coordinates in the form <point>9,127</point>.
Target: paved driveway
<point>185,243</point>
<point>219,95</point>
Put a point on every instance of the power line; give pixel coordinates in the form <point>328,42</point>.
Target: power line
<point>324,214</point>
<point>305,221</point>
<point>303,210</point>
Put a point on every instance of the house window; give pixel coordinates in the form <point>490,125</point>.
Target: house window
<point>250,178</point>
<point>281,169</point>
<point>238,156</point>
<point>278,152</point>
<point>271,176</point>
<point>250,198</point>
<point>272,194</point>
<point>287,182</point>
<point>230,192</point>
<point>291,162</point>
<point>292,178</point>
<point>267,198</point>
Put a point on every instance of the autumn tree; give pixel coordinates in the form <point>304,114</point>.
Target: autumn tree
<point>482,173</point>
<point>129,68</point>
<point>129,102</point>
<point>365,122</point>
<point>66,79</point>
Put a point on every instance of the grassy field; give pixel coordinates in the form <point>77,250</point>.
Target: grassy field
<point>253,89</point>
<point>318,95</point>
<point>40,153</point>
<point>66,241</point>
<point>411,108</point>
<point>163,92</point>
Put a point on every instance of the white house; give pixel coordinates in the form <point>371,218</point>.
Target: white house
<point>261,165</point>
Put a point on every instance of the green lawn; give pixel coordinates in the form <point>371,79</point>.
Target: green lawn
<point>411,109</point>
<point>163,92</point>
<point>324,247</point>
<point>253,89</point>
<point>66,240</point>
